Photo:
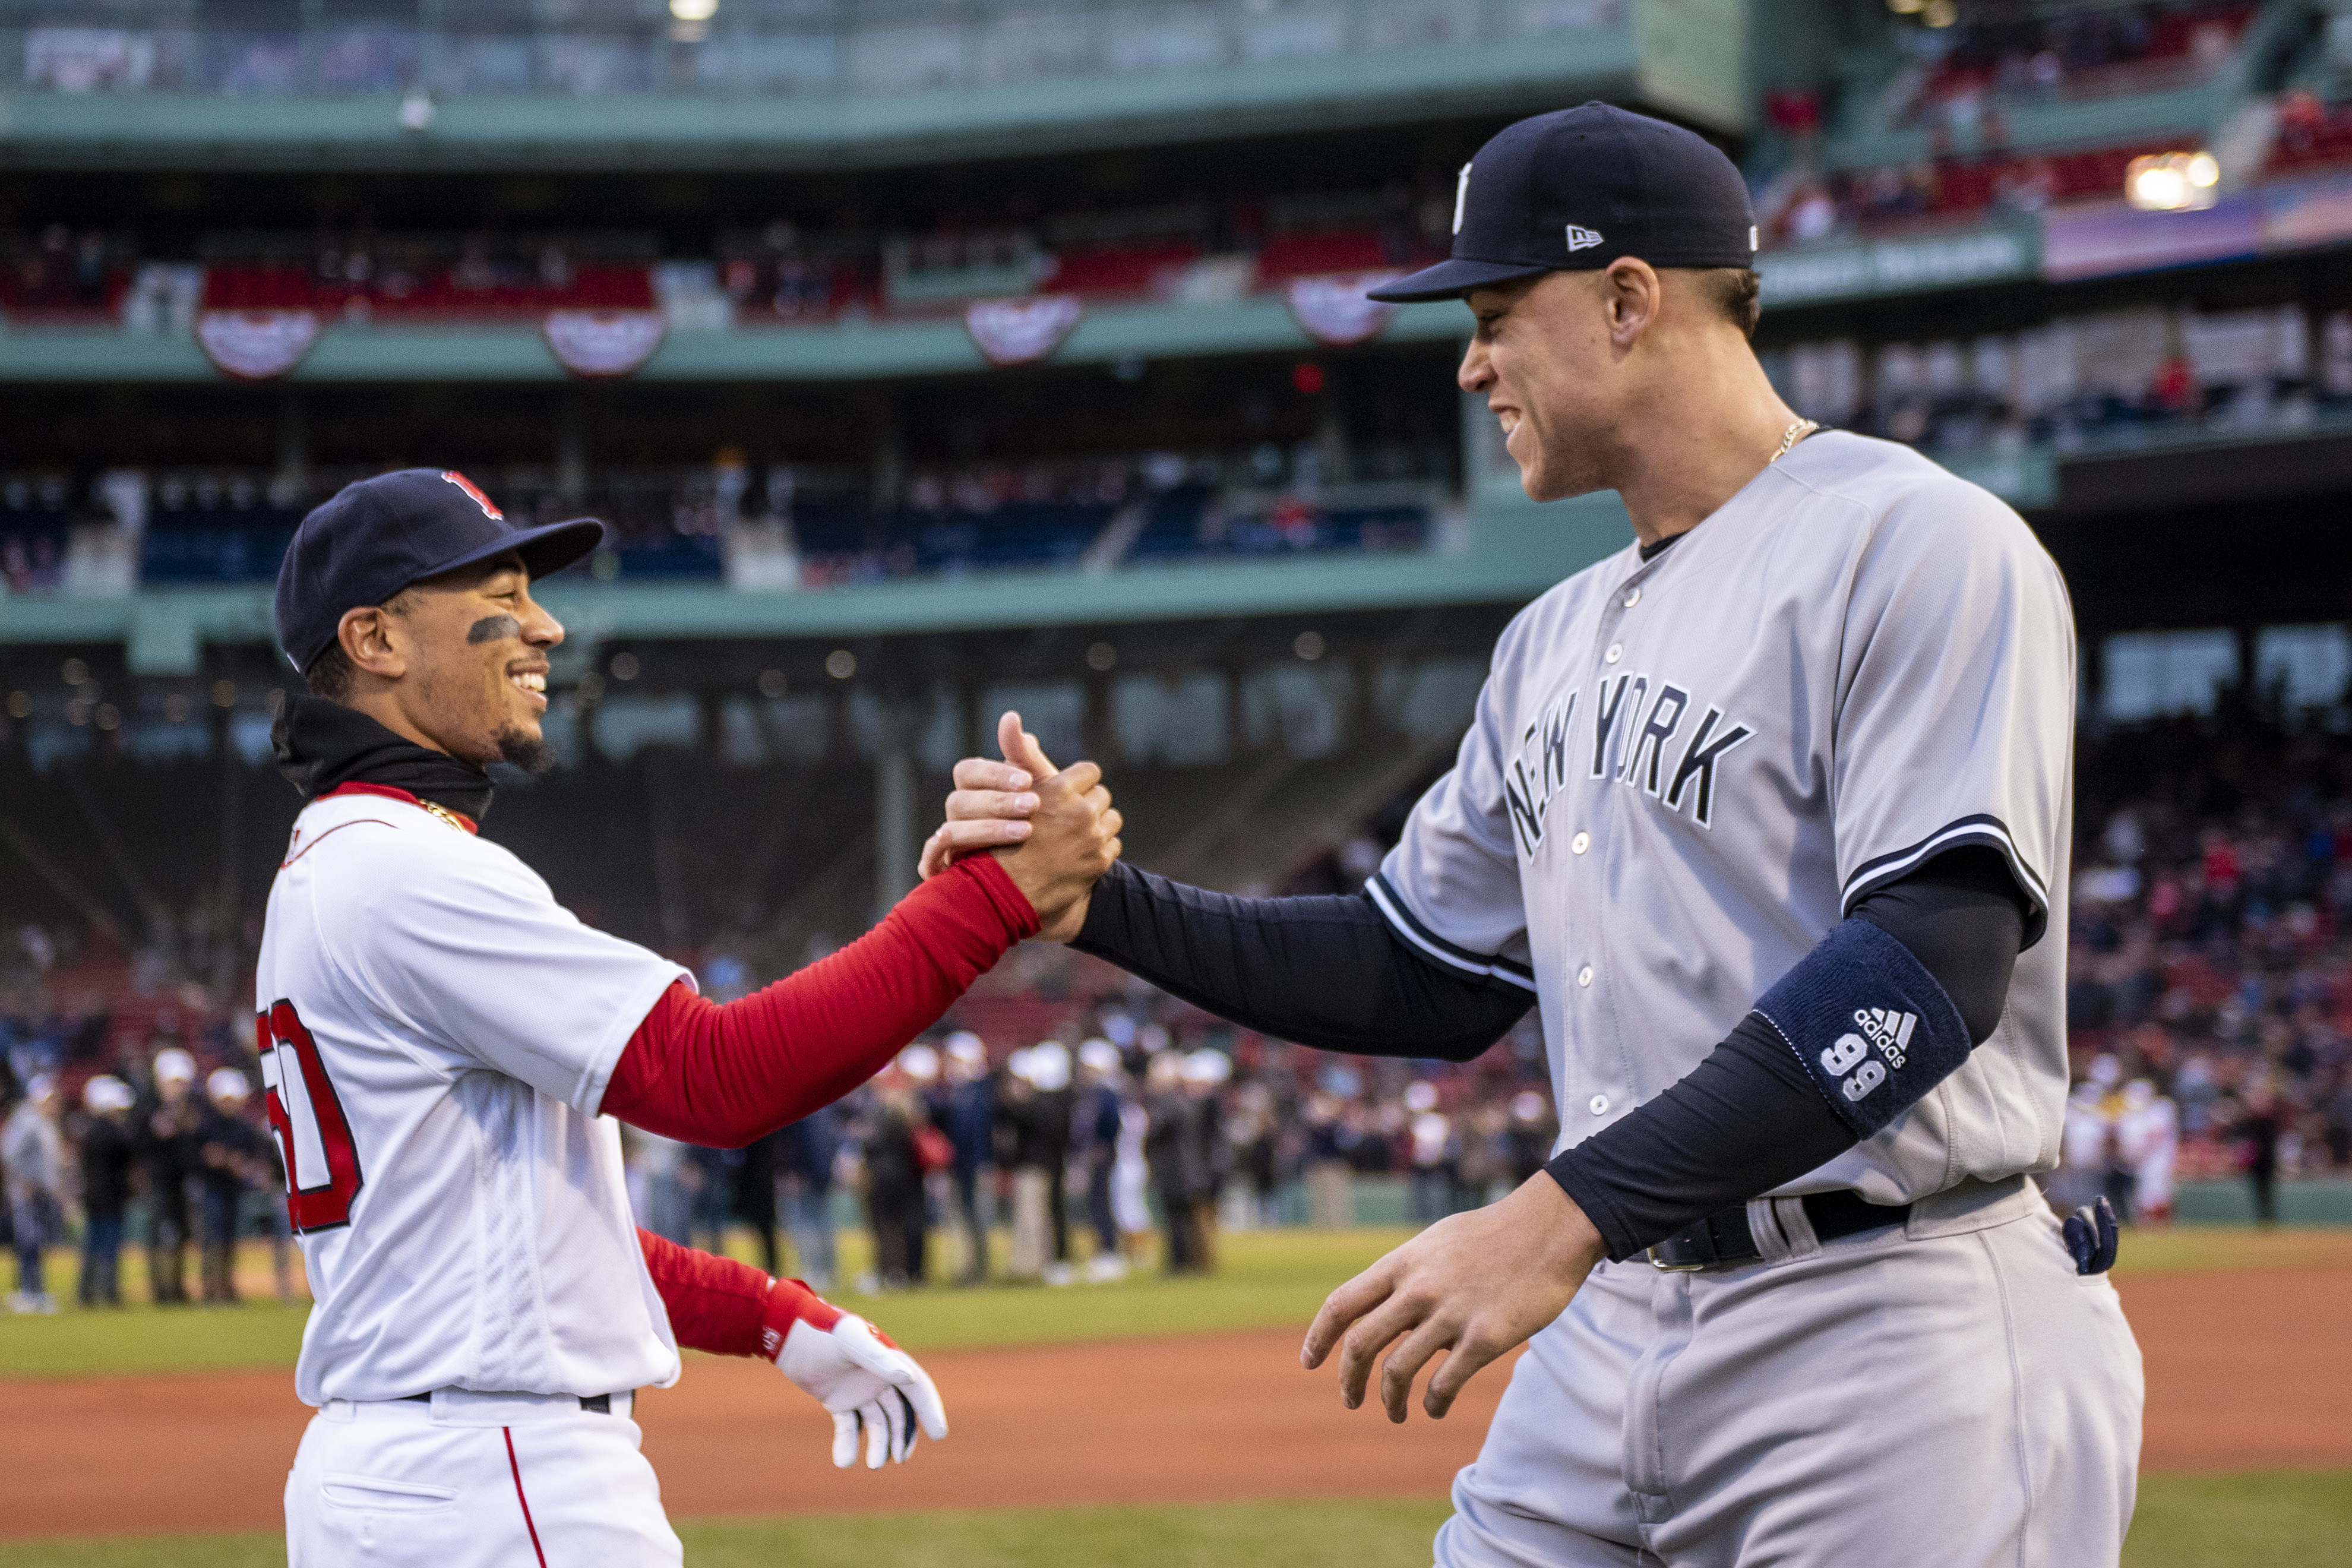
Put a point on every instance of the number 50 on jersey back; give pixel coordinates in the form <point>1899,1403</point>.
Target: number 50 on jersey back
<point>314,1137</point>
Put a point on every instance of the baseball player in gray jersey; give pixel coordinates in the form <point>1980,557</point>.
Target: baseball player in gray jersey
<point>1768,814</point>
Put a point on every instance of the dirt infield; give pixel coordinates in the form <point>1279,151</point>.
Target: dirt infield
<point>2245,1371</point>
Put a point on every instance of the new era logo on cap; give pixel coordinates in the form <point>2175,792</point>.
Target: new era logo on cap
<point>1580,239</point>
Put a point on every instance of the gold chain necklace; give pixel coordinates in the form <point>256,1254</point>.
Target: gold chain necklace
<point>444,813</point>
<point>1789,438</point>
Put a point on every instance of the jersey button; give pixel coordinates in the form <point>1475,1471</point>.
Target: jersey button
<point>1584,976</point>
<point>1579,843</point>
<point>1598,1105</point>
<point>1632,597</point>
<point>1616,651</point>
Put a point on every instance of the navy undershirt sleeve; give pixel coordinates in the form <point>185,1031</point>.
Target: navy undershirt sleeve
<point>1325,970</point>
<point>1752,1117</point>
<point>1329,972</point>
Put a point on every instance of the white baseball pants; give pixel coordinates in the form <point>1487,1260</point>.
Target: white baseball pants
<point>475,1480</point>
<point>1949,1394</point>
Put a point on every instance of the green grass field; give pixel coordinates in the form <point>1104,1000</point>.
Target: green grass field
<point>2286,1521</point>
<point>1267,1279</point>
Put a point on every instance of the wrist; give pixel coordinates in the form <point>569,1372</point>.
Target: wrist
<point>1566,1240</point>
<point>791,1301</point>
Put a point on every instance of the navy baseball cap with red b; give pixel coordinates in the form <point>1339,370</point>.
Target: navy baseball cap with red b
<point>375,537</point>
<point>1577,189</point>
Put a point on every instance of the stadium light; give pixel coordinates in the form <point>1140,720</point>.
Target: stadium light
<point>694,10</point>
<point>2172,182</point>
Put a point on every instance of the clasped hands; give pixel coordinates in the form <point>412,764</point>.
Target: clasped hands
<point>1055,829</point>
<point>1474,1285</point>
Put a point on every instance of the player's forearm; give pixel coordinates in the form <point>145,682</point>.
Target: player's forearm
<point>1327,971</point>
<point>723,1307</point>
<point>724,1076</point>
<point>1753,1116</point>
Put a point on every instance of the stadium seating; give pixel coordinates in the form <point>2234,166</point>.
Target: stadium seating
<point>450,292</point>
<point>2070,53</point>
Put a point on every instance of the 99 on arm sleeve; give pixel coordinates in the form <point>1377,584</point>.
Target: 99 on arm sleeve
<point>1771,1102</point>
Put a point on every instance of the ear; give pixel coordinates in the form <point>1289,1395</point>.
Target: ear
<point>369,642</point>
<point>1633,294</point>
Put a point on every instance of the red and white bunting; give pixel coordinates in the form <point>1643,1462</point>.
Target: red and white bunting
<point>601,345</point>
<point>256,345</point>
<point>1019,332</point>
<point>1332,308</point>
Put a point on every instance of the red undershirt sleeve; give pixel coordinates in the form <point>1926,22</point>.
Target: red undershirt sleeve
<point>727,1308</point>
<point>724,1076</point>
<point>715,1304</point>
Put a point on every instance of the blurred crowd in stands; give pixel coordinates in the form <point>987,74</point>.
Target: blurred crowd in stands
<point>2081,381</point>
<point>1959,74</point>
<point>1194,251</point>
<point>1073,1113</point>
<point>772,51</point>
<point>793,525</point>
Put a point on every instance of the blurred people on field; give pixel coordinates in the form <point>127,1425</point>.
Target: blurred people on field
<point>1096,1143</point>
<point>970,1123</point>
<point>893,1180</point>
<point>169,1155</point>
<point>33,1153</point>
<point>2148,1140</point>
<point>810,1155</point>
<point>110,1152</point>
<point>230,1159</point>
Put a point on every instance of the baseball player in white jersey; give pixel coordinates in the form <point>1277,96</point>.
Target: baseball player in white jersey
<point>445,1050</point>
<point>1768,814</point>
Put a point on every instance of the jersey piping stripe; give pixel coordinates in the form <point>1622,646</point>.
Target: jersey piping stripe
<point>515,1465</point>
<point>1984,829</point>
<point>1494,966</point>
<point>355,822</point>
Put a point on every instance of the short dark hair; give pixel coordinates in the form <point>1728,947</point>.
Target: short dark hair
<point>333,673</point>
<point>1736,291</point>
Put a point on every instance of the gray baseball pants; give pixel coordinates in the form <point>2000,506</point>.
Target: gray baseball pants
<point>1948,1395</point>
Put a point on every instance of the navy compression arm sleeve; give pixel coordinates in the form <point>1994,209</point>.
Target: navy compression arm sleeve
<point>1327,971</point>
<point>1756,1113</point>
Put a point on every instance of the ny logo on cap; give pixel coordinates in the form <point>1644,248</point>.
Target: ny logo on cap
<point>1461,196</point>
<point>463,483</point>
<point>1581,239</point>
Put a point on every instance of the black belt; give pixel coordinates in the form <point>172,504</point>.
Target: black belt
<point>600,1403</point>
<point>1724,1236</point>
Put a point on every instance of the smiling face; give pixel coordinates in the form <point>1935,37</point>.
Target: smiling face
<point>1544,355</point>
<point>459,663</point>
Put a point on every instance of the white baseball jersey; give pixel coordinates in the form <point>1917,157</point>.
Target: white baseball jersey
<point>1683,772</point>
<point>435,1036</point>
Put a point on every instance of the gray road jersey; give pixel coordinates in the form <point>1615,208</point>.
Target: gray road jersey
<point>1683,772</point>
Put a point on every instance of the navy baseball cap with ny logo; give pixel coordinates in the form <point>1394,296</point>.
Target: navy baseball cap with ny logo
<point>1575,190</point>
<point>375,537</point>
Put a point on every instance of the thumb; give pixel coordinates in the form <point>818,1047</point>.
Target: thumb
<point>1021,748</point>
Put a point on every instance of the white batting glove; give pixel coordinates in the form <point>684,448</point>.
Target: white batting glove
<point>851,1368</point>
